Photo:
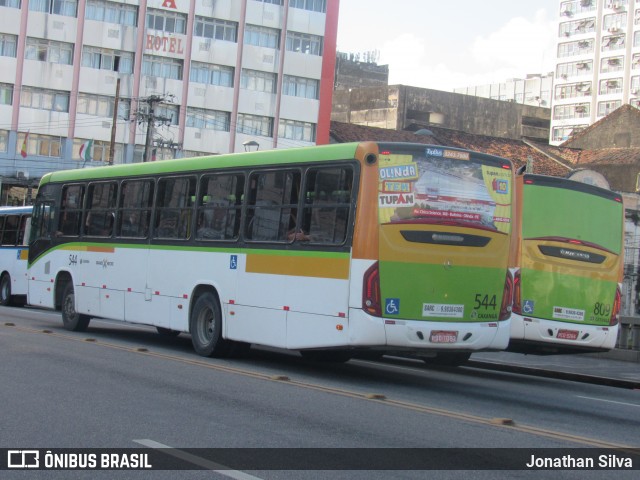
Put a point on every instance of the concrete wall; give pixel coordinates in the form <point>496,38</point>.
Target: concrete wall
<point>402,107</point>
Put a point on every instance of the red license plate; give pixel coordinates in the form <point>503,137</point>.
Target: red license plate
<point>443,336</point>
<point>567,334</point>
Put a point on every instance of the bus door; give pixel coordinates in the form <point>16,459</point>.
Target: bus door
<point>444,241</point>
<point>40,240</point>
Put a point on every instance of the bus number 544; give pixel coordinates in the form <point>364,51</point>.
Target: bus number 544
<point>484,302</point>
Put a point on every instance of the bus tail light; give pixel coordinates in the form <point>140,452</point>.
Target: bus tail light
<point>616,308</point>
<point>507,298</point>
<point>517,294</point>
<point>371,291</point>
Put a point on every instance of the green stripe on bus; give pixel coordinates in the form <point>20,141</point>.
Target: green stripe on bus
<point>226,250</point>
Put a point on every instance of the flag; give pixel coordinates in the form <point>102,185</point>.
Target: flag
<point>23,149</point>
<point>86,150</point>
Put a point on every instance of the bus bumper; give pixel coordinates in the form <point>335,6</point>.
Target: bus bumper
<point>370,331</point>
<point>547,333</point>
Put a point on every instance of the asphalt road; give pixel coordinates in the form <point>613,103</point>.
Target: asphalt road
<point>121,386</point>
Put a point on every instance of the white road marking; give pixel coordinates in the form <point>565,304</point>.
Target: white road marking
<point>609,401</point>
<point>201,462</point>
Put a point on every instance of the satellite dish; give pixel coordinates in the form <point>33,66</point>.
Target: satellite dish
<point>590,177</point>
<point>424,132</point>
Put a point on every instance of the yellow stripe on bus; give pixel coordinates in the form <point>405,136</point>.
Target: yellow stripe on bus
<point>533,259</point>
<point>393,247</point>
<point>298,266</point>
<point>89,248</point>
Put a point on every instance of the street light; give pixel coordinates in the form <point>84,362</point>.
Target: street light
<point>249,146</point>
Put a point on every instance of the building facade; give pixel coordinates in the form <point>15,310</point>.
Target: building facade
<point>534,90</point>
<point>401,107</point>
<point>597,65</point>
<point>207,76</point>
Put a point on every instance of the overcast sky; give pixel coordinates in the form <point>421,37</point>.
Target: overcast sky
<point>452,43</point>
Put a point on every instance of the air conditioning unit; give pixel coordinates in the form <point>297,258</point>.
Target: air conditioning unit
<point>564,76</point>
<point>635,91</point>
<point>613,29</point>
<point>582,65</point>
<point>22,174</point>
<point>566,13</point>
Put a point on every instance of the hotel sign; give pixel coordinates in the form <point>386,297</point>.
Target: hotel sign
<point>164,44</point>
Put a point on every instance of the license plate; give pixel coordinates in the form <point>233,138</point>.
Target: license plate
<point>443,336</point>
<point>567,334</point>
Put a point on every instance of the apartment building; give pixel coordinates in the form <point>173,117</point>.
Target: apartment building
<point>597,65</point>
<point>189,77</point>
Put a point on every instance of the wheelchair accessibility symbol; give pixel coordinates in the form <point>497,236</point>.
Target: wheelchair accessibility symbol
<point>392,306</point>
<point>528,307</point>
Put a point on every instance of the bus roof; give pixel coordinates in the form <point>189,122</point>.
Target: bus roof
<point>341,151</point>
<point>560,182</point>
<point>15,210</point>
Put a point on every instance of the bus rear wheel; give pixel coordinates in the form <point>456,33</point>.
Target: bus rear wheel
<point>5,290</point>
<point>205,326</point>
<point>71,319</point>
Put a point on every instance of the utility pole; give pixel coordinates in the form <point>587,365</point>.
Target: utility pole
<point>150,117</point>
<point>112,144</point>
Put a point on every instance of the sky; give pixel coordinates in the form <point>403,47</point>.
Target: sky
<point>445,44</point>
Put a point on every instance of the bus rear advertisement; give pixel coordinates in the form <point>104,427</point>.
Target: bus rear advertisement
<point>569,262</point>
<point>328,250</point>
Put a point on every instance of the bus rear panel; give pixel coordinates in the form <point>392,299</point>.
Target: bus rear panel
<point>444,219</point>
<point>569,266</point>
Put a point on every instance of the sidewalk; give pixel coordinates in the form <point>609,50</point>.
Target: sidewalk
<point>617,364</point>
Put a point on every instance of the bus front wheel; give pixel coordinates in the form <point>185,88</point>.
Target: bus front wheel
<point>71,319</point>
<point>5,290</point>
<point>205,326</point>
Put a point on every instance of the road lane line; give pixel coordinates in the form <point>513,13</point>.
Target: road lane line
<point>201,462</point>
<point>609,401</point>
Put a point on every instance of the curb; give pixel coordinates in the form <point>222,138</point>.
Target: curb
<point>539,372</point>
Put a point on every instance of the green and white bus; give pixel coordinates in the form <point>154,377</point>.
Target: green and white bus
<point>15,225</point>
<point>328,250</point>
<point>568,258</point>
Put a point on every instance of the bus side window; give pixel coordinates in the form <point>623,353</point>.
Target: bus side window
<point>219,207</point>
<point>328,193</point>
<point>101,204</point>
<point>71,210</point>
<point>174,205</point>
<point>272,207</point>
<point>10,231</point>
<point>134,208</point>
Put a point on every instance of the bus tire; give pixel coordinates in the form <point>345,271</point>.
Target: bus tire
<point>167,332</point>
<point>5,290</point>
<point>71,319</point>
<point>448,359</point>
<point>205,327</point>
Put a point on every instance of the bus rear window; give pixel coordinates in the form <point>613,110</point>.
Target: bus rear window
<point>445,186</point>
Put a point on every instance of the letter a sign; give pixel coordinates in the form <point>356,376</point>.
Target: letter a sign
<point>169,4</point>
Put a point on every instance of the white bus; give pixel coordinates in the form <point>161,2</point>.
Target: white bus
<point>15,225</point>
<point>327,250</point>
